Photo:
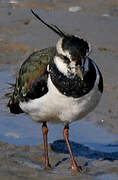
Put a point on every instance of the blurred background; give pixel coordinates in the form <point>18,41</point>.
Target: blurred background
<point>21,34</point>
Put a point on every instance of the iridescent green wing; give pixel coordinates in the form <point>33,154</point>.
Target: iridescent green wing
<point>32,80</point>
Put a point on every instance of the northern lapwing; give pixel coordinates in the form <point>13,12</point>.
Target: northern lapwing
<point>58,84</point>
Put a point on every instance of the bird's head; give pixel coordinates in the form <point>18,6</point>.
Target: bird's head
<point>71,51</point>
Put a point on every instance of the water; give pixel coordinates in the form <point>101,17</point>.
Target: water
<point>93,141</point>
<point>108,176</point>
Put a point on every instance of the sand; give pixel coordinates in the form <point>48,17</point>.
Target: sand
<point>20,35</point>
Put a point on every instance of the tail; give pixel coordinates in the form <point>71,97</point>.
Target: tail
<point>14,107</point>
<point>13,103</point>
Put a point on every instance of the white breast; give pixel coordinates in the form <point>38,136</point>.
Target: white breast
<point>57,108</point>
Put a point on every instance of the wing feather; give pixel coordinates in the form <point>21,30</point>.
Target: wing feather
<point>31,82</point>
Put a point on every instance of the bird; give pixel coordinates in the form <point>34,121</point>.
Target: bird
<point>59,84</point>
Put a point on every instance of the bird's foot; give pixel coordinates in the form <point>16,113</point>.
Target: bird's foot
<point>77,169</point>
<point>48,167</point>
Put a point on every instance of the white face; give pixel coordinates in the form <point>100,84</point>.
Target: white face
<point>60,50</point>
<point>62,67</point>
<point>67,69</point>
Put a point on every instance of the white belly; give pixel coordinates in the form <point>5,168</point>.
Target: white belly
<point>57,108</point>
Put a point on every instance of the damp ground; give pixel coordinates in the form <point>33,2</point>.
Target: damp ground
<point>94,139</point>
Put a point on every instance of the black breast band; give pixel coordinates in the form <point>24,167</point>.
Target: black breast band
<point>73,87</point>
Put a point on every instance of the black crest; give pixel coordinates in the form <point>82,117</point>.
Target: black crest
<point>53,27</point>
<point>76,46</point>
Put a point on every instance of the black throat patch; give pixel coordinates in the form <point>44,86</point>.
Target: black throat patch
<point>73,87</point>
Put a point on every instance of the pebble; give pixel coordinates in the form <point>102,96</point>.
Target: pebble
<point>102,120</point>
<point>13,134</point>
<point>13,2</point>
<point>106,15</point>
<point>74,8</point>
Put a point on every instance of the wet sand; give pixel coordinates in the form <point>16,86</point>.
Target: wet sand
<point>27,162</point>
<point>20,35</point>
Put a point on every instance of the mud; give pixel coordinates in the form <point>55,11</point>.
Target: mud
<point>27,162</point>
<point>94,139</point>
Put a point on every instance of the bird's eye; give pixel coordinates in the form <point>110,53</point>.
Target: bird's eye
<point>66,59</point>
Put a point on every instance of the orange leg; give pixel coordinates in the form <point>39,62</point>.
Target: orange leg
<point>45,133</point>
<point>66,137</point>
